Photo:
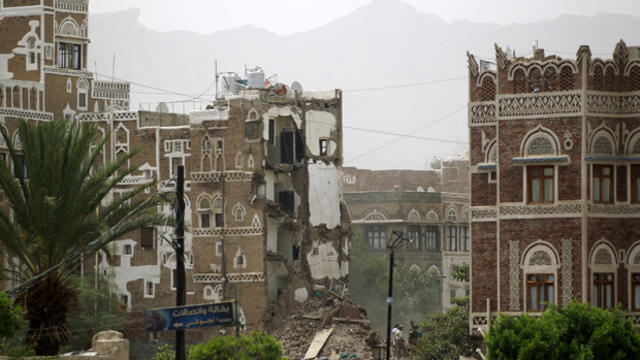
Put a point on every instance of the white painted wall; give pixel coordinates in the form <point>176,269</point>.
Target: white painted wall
<point>270,180</point>
<point>325,193</point>
<point>318,126</point>
<point>325,263</point>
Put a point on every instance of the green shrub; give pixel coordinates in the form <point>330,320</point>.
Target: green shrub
<point>575,332</point>
<point>257,346</point>
<point>164,352</point>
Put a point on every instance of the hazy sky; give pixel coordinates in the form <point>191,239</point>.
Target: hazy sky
<point>289,16</point>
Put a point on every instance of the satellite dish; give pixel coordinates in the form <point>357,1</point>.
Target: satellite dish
<point>296,88</point>
<point>162,108</point>
<point>436,164</point>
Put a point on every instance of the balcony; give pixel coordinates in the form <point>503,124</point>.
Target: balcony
<point>111,90</point>
<point>81,6</point>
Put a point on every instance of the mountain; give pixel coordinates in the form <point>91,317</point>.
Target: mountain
<point>384,43</point>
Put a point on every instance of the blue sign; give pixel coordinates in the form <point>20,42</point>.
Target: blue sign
<point>189,317</point>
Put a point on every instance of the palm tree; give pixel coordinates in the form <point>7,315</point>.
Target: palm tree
<point>55,216</point>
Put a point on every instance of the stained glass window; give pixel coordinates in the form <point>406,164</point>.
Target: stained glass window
<point>540,146</point>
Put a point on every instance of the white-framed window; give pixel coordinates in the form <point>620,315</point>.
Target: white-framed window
<point>464,238</point>
<point>204,211</point>
<point>540,271</point>
<point>218,249</point>
<point>32,54</point>
<point>603,266</point>
<point>175,163</point>
<point>127,249</point>
<point>83,94</point>
<point>452,238</point>
<point>149,289</point>
<point>239,213</point>
<point>239,160</point>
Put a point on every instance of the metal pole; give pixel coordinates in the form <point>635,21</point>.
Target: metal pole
<point>235,313</point>
<point>181,293</point>
<point>223,265</point>
<point>389,302</point>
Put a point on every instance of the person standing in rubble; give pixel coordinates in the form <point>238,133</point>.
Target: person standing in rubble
<point>399,348</point>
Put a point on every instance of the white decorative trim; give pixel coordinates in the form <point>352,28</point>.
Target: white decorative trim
<point>611,104</point>
<point>250,277</point>
<point>567,271</point>
<point>514,275</point>
<point>215,176</point>
<point>110,90</point>
<point>484,213</point>
<point>540,105</point>
<point>614,211</point>
<point>540,211</point>
<point>26,114</point>
<point>483,113</point>
<point>239,231</point>
<point>81,6</point>
<point>68,72</point>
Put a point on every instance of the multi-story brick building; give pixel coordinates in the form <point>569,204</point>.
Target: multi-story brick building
<point>271,234</point>
<point>555,163</point>
<point>43,66</point>
<point>277,231</point>
<point>430,207</point>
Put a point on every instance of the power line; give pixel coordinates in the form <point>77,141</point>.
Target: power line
<point>159,89</point>
<point>406,135</point>
<point>399,86</point>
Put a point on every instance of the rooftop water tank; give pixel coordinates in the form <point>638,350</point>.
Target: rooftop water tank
<point>229,84</point>
<point>255,78</point>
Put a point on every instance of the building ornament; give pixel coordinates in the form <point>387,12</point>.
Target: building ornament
<point>567,271</point>
<point>514,275</point>
<point>566,103</point>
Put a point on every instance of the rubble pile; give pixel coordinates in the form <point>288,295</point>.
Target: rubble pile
<point>323,310</point>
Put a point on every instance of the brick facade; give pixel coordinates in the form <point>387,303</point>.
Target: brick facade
<point>558,137</point>
<point>418,204</point>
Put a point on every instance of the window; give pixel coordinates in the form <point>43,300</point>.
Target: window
<point>635,183</point>
<point>602,180</point>
<point>452,238</point>
<point>272,132</point>
<point>20,167</point>
<point>125,299</point>
<point>32,60</point>
<point>286,199</point>
<point>464,238</point>
<point>219,220</point>
<point>452,294</point>
<point>69,56</point>
<point>324,145</point>
<point>635,291</point>
<point>540,291</point>
<point>431,237</point>
<point>376,236</point>
<point>493,176</point>
<point>540,181</point>
<point>467,292</point>
<point>415,235</point>
<point>127,250</point>
<point>175,163</point>
<point>149,288</point>
<point>146,237</point>
<point>218,249</point>
<point>603,290</point>
<point>205,220</point>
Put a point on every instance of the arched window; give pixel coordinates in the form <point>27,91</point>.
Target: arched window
<point>33,98</point>
<point>32,54</point>
<point>603,278</point>
<point>634,78</point>
<point>239,213</point>
<point>535,80</point>
<point>540,271</point>
<point>83,94</point>
<point>598,78</point>
<point>540,145</point>
<point>204,210</point>
<point>239,160</point>
<point>488,89</point>
<point>609,79</point>
<point>217,211</point>
<point>239,260</point>
<point>519,82</point>
<point>566,78</point>
<point>550,79</point>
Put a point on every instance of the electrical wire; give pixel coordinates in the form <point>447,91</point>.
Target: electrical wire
<point>406,135</point>
<point>399,86</point>
<point>165,91</point>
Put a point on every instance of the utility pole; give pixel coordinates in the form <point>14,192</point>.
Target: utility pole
<point>394,244</point>
<point>181,293</point>
<point>224,263</point>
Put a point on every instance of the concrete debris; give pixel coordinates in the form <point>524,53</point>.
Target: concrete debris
<point>350,327</point>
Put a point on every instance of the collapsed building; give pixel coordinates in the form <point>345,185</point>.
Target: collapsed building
<point>263,195</point>
<point>429,207</point>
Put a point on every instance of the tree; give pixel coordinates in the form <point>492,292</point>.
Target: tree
<point>446,336</point>
<point>415,293</point>
<point>10,317</point>
<point>56,215</point>
<point>575,332</point>
<point>254,347</point>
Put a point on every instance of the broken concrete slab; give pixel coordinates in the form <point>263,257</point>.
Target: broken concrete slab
<point>317,344</point>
